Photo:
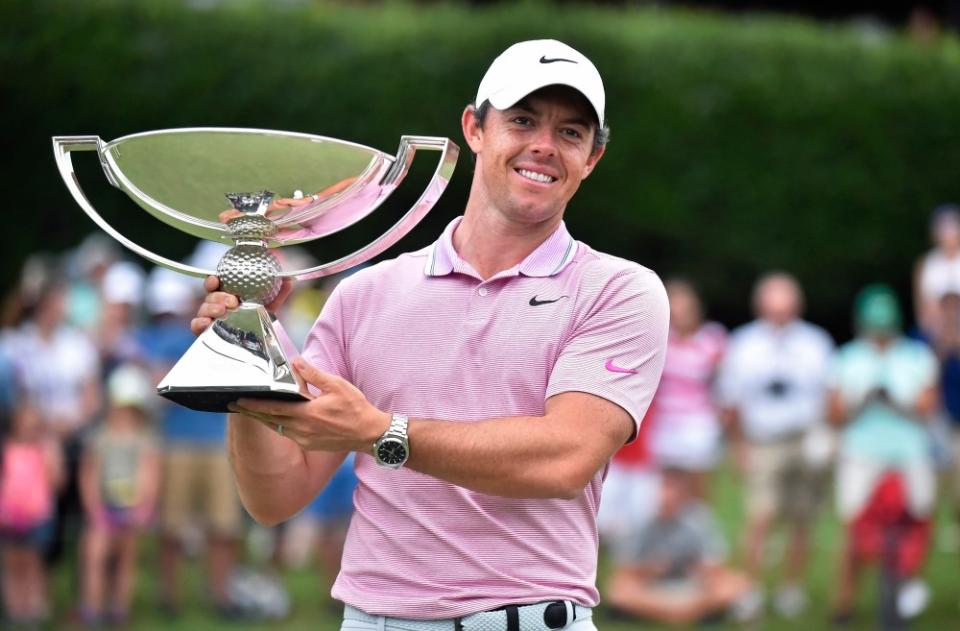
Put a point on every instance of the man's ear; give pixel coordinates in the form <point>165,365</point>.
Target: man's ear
<point>592,161</point>
<point>472,132</point>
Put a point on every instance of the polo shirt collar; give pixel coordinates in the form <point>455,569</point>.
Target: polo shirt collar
<point>549,259</point>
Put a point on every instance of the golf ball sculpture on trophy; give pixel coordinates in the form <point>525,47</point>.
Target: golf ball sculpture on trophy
<point>283,188</point>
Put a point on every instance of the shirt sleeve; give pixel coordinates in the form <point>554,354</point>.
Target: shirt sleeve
<point>325,347</point>
<point>728,386</point>
<point>715,337</point>
<point>927,374</point>
<point>931,367</point>
<point>834,376</point>
<point>616,352</point>
<point>928,279</point>
<point>83,357</point>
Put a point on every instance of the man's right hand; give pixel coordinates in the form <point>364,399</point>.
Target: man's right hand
<point>218,304</point>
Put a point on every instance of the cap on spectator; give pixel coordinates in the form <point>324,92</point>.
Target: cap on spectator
<point>123,284</point>
<point>41,274</point>
<point>207,254</point>
<point>96,252</point>
<point>170,292</point>
<point>876,310</point>
<point>129,384</point>
<point>528,66</point>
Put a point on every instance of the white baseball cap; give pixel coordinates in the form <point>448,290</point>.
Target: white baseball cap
<point>130,385</point>
<point>123,283</point>
<point>170,292</point>
<point>531,65</point>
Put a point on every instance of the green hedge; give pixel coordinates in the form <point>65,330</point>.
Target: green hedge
<point>739,144</point>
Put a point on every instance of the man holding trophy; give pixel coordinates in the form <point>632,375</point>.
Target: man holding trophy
<point>484,382</point>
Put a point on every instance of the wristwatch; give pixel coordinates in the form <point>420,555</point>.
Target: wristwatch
<point>392,449</point>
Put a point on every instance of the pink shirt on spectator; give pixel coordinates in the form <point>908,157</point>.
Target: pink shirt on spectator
<point>691,363</point>
<point>422,334</point>
<point>684,428</point>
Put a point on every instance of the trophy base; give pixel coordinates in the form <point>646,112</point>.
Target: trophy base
<point>247,354</point>
<point>216,399</point>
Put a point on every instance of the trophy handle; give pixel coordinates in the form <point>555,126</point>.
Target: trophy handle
<point>441,177</point>
<point>62,147</point>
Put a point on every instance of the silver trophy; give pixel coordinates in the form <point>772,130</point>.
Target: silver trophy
<point>283,188</point>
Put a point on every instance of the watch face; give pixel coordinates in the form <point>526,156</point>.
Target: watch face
<point>392,451</point>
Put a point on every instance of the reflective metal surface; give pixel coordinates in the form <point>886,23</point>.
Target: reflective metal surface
<point>244,355</point>
<point>63,147</point>
<point>181,176</point>
<point>282,188</point>
<point>438,183</point>
<point>328,207</point>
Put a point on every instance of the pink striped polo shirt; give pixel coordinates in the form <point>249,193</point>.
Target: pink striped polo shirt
<point>422,334</point>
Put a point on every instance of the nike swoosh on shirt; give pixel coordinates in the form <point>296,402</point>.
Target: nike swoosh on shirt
<point>536,303</point>
<point>614,368</point>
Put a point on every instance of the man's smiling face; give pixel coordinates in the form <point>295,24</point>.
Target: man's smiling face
<point>532,156</point>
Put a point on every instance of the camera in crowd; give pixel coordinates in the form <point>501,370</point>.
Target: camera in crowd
<point>778,388</point>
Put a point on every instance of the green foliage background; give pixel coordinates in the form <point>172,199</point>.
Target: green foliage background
<point>740,144</point>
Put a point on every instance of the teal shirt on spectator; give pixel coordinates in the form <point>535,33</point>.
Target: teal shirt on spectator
<point>879,432</point>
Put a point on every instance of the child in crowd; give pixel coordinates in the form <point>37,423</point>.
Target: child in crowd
<point>119,483</point>
<point>30,475</point>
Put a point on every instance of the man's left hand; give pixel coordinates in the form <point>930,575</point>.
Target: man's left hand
<point>338,419</point>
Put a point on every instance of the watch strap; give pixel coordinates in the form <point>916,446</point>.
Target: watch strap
<point>398,425</point>
<point>396,432</point>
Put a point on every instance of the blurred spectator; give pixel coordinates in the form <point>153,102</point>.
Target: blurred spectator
<point>60,373</point>
<point>7,391</point>
<point>32,470</point>
<point>773,381</point>
<point>85,267</point>
<point>196,472</point>
<point>685,429</point>
<point>299,311</point>
<point>119,484</point>
<point>923,26</point>
<point>946,342</point>
<point>631,490</point>
<point>938,272</point>
<point>57,363</point>
<point>673,569</point>
<point>121,300</point>
<point>322,526</point>
<point>883,390</point>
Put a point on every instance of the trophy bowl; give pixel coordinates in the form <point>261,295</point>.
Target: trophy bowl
<point>278,188</point>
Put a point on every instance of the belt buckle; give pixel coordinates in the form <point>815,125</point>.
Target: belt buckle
<point>555,615</point>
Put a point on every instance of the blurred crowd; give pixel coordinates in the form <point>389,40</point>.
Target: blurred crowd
<point>872,424</point>
<point>92,461</point>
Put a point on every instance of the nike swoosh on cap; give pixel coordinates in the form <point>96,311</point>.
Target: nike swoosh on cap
<point>553,60</point>
<point>614,368</point>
